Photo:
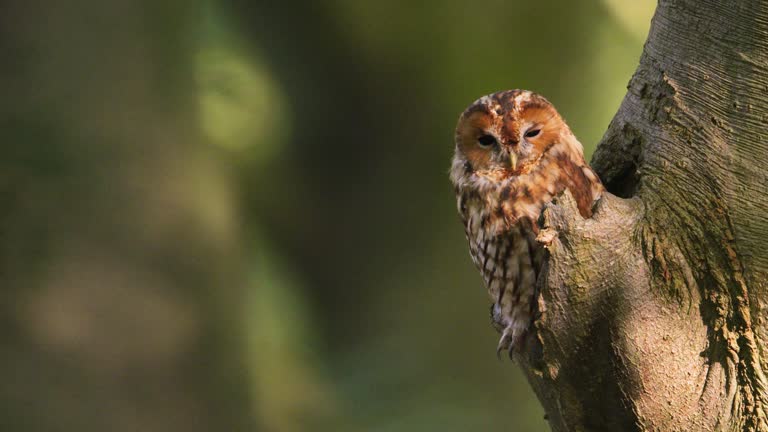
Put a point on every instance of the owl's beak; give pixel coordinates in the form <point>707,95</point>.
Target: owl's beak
<point>513,160</point>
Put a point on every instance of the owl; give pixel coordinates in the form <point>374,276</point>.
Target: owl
<point>514,154</point>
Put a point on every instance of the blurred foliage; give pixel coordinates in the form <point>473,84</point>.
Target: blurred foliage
<point>241,208</point>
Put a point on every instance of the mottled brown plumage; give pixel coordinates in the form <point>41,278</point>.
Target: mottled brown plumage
<point>514,153</point>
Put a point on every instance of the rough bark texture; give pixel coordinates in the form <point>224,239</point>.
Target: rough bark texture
<point>652,312</point>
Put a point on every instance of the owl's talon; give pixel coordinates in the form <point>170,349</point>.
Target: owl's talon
<point>504,343</point>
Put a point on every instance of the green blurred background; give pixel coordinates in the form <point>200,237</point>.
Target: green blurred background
<point>235,215</point>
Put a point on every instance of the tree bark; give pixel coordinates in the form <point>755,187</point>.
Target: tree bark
<point>652,312</point>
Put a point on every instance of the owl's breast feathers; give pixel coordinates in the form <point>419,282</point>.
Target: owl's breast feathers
<point>500,220</point>
<point>502,200</point>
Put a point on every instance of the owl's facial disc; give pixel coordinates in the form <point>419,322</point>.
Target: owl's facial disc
<point>505,134</point>
<point>480,142</point>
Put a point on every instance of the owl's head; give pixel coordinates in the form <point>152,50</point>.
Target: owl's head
<point>506,134</point>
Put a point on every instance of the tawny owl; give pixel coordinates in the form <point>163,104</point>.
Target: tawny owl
<point>514,154</point>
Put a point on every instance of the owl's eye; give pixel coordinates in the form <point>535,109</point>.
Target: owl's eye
<point>532,133</point>
<point>486,140</point>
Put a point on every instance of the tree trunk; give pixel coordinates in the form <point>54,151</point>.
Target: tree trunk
<point>652,312</point>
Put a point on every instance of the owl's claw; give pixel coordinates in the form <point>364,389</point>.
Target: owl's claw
<point>498,351</point>
<point>505,343</point>
<point>509,342</point>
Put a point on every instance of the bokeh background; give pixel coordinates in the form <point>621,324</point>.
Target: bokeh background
<point>234,215</point>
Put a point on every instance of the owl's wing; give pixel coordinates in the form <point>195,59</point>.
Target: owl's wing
<point>585,187</point>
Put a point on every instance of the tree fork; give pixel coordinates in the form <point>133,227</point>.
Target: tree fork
<point>652,312</point>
